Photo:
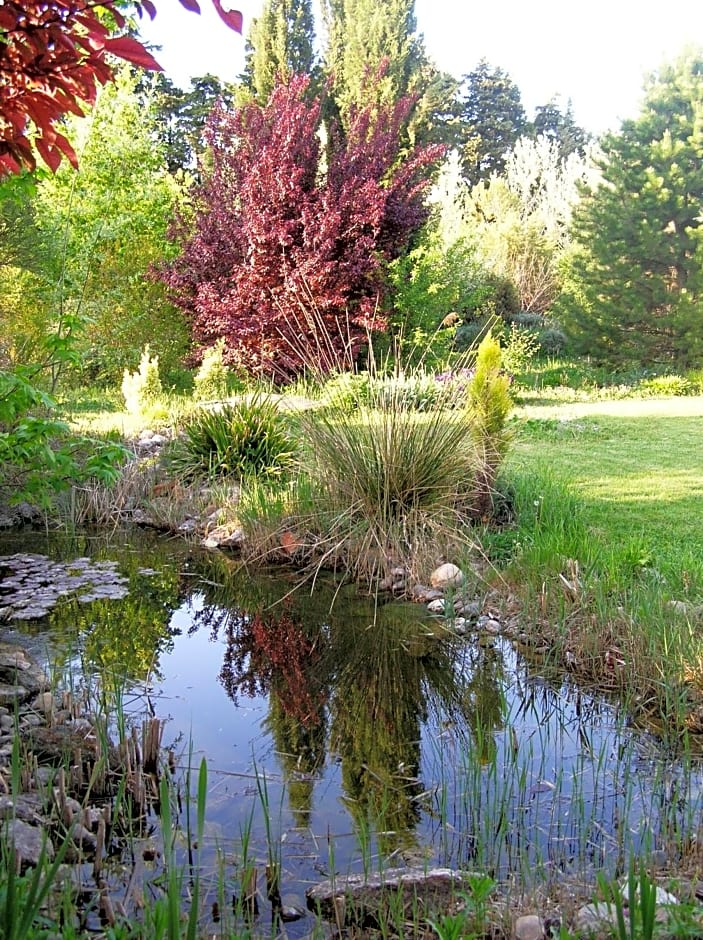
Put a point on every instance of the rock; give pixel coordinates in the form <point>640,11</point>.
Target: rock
<point>491,626</point>
<point>222,536</point>
<point>292,908</point>
<point>54,745</point>
<point>419,592</point>
<point>13,694</point>
<point>592,918</point>
<point>364,899</point>
<point>461,625</point>
<point>467,608</point>
<point>30,843</point>
<point>434,594</point>
<point>233,540</point>
<point>663,900</point>
<point>437,606</point>
<point>44,703</point>
<point>26,806</point>
<point>528,927</point>
<point>84,839</point>
<point>16,666</point>
<point>446,576</point>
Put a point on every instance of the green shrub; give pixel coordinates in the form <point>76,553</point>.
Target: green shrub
<point>412,392</point>
<point>695,377</point>
<point>667,385</point>
<point>520,346</point>
<point>211,379</point>
<point>489,404</point>
<point>469,334</point>
<point>489,398</point>
<point>528,320</point>
<point>504,298</point>
<point>429,283</point>
<point>249,438</point>
<point>552,341</point>
<point>142,389</point>
<point>345,390</point>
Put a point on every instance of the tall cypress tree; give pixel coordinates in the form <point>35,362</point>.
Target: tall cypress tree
<point>364,34</point>
<point>368,36</point>
<point>636,278</point>
<point>281,43</point>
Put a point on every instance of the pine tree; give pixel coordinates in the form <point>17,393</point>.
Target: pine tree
<point>281,43</point>
<point>561,127</point>
<point>636,278</point>
<point>493,118</point>
<point>181,115</point>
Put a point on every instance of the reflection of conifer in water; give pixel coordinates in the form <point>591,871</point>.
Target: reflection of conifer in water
<point>377,710</point>
<point>483,702</point>
<point>301,750</point>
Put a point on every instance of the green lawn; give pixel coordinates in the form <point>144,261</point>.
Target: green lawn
<point>636,467</point>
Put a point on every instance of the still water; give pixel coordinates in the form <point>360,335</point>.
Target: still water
<point>341,735</point>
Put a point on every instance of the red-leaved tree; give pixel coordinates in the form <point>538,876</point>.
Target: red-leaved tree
<point>285,256</point>
<point>53,57</point>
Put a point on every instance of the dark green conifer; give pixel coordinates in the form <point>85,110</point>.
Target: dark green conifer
<point>635,281</point>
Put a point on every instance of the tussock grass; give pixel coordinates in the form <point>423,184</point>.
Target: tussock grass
<point>391,486</point>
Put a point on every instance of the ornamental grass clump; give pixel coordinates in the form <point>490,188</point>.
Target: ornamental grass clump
<point>249,438</point>
<point>392,484</point>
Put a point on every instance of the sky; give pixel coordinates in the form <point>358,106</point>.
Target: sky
<point>596,54</point>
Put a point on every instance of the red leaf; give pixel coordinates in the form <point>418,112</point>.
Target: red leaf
<point>125,47</point>
<point>233,18</point>
<point>63,144</point>
<point>50,155</point>
<point>191,5</point>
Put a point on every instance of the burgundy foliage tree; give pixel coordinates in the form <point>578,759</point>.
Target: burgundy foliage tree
<point>53,56</point>
<point>286,254</point>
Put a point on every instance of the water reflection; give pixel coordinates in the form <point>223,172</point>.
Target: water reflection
<point>346,678</point>
<point>371,719</point>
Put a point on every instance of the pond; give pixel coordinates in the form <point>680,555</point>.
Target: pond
<point>343,735</point>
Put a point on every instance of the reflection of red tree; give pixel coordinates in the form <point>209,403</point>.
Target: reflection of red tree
<point>275,654</point>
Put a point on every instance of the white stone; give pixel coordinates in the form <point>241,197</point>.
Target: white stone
<point>594,917</point>
<point>446,576</point>
<point>436,606</point>
<point>528,927</point>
